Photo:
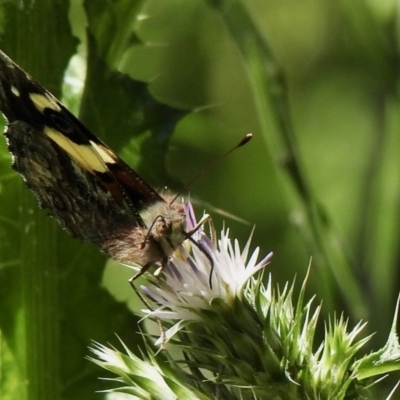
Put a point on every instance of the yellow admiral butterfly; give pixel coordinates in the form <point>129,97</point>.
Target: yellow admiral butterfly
<point>92,193</point>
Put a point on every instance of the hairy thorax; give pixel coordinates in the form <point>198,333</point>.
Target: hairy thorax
<point>163,232</point>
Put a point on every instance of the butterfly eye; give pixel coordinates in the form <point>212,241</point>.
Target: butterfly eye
<point>162,224</point>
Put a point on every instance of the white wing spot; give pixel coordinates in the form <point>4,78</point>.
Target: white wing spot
<point>84,155</point>
<point>15,91</point>
<point>106,154</point>
<point>44,101</point>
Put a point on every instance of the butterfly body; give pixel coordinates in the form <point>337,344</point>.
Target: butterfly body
<point>91,192</point>
<point>157,241</point>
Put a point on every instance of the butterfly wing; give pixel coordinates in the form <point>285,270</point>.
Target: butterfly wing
<point>90,191</point>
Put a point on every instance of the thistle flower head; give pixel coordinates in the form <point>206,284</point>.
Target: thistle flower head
<point>241,338</point>
<point>186,289</point>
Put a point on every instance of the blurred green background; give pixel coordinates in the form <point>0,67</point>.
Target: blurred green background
<point>171,85</point>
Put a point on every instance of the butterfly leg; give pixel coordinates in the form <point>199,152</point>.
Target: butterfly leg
<point>205,219</point>
<point>144,269</point>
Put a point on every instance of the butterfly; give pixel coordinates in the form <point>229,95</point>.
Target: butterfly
<point>91,192</point>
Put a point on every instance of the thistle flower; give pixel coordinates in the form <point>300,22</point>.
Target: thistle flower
<point>240,338</point>
<point>186,292</point>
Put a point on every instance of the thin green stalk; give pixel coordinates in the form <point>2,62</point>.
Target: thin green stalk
<point>34,330</point>
<point>269,87</point>
<point>39,285</point>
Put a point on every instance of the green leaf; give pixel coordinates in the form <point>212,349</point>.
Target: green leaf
<point>145,125</point>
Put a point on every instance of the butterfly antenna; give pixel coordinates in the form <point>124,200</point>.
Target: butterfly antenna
<point>211,166</point>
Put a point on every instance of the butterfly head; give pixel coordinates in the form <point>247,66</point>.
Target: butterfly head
<point>165,222</point>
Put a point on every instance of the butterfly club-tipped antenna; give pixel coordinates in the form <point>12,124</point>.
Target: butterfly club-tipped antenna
<point>206,218</point>
<point>212,165</point>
